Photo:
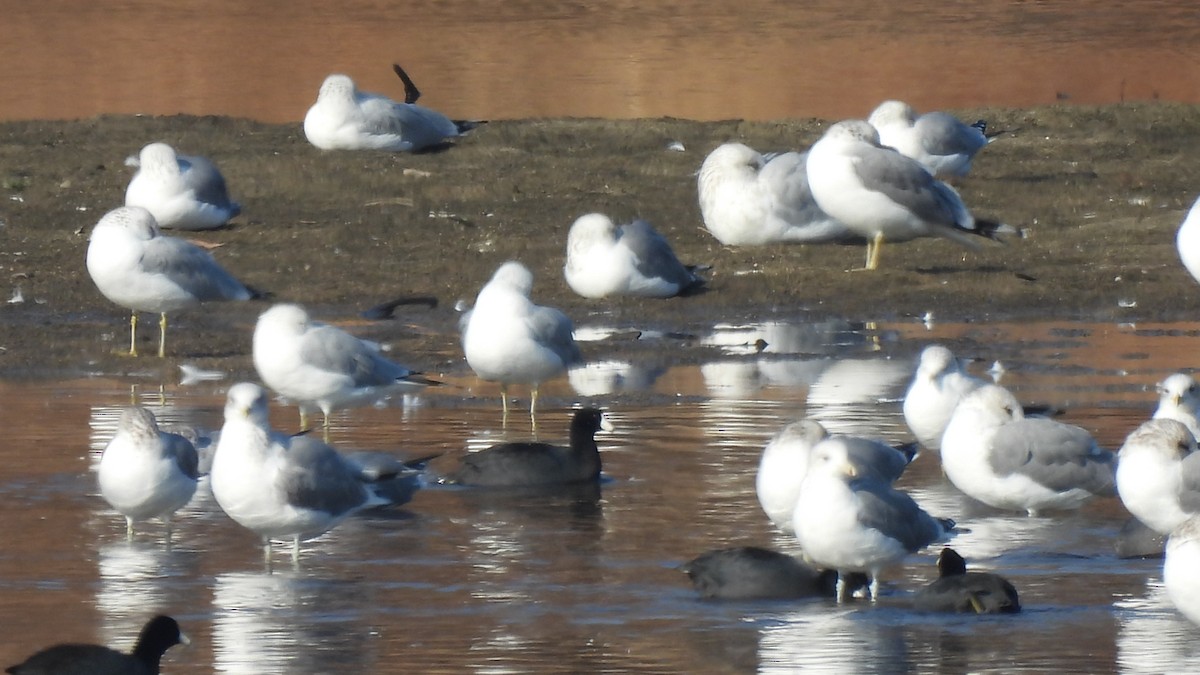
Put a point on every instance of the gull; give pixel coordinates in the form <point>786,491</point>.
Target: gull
<point>322,366</point>
<point>1180,569</point>
<point>1187,241</point>
<point>147,473</point>
<point>750,199</point>
<point>606,259</point>
<point>786,457</point>
<point>939,141</point>
<point>156,637</point>
<point>508,339</point>
<point>882,195</point>
<point>279,486</point>
<point>344,118</point>
<point>137,267</point>
<point>181,191</point>
<point>1179,400</point>
<point>939,384</point>
<point>957,590</point>
<point>996,455</point>
<point>856,522</point>
<point>1158,474</point>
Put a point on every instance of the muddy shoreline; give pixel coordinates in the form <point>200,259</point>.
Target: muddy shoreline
<point>1099,192</point>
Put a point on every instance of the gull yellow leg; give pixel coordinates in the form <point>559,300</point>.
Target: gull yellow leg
<point>873,252</point>
<point>162,335</point>
<point>133,334</point>
<point>504,405</point>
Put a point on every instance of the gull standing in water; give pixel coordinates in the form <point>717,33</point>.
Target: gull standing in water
<point>322,366</point>
<point>939,141</point>
<point>882,195</point>
<point>137,267</point>
<point>1179,400</point>
<point>1158,474</point>
<point>147,473</point>
<point>344,118</point>
<point>508,339</point>
<point>747,199</point>
<point>940,383</point>
<point>181,191</point>
<point>606,259</point>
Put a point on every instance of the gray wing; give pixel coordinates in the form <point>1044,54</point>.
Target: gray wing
<point>895,514</point>
<point>945,134</point>
<point>885,461</point>
<point>655,258</point>
<point>1189,492</point>
<point>207,182</point>
<point>905,182</point>
<point>192,268</point>
<point>1058,456</point>
<point>335,350</point>
<point>183,451</point>
<point>316,477</point>
<point>785,178</point>
<point>553,330</point>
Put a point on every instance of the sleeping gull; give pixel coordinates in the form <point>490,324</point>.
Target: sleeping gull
<point>535,464</point>
<point>137,267</point>
<point>749,199</point>
<point>996,455</point>
<point>156,637</point>
<point>344,118</point>
<point>1179,400</point>
<point>321,366</point>
<point>786,458</point>
<point>1187,241</point>
<point>939,141</point>
<point>182,191</point>
<point>957,590</point>
<point>1181,569</point>
<point>1158,474</point>
<point>147,473</point>
<point>508,339</point>
<point>882,195</point>
<point>939,384</point>
<point>605,259</point>
<point>855,522</point>
<point>279,486</point>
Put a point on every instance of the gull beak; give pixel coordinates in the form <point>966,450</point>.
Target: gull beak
<point>849,469</point>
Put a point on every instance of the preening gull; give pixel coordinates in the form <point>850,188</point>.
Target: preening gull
<point>852,522</point>
<point>786,458</point>
<point>939,384</point>
<point>1179,400</point>
<point>957,590</point>
<point>882,195</point>
<point>322,366</point>
<point>996,455</point>
<point>749,199</point>
<point>279,486</point>
<point>1181,569</point>
<point>157,636</point>
<point>147,473</point>
<point>1158,474</point>
<point>137,267</point>
<point>181,191</point>
<point>939,141</point>
<point>606,259</point>
<point>535,464</point>
<point>1187,241</point>
<point>508,339</point>
<point>344,118</point>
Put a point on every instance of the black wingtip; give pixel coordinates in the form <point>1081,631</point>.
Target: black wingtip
<point>464,126</point>
<point>909,450</point>
<point>991,229</point>
<point>387,309</point>
<point>411,93</point>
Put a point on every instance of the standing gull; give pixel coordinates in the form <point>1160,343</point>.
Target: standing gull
<point>283,487</point>
<point>882,195</point>
<point>786,457</point>
<point>1181,569</point>
<point>855,522</point>
<point>605,259</point>
<point>940,383</point>
<point>1158,474</point>
<point>344,118</point>
<point>137,267</point>
<point>748,199</point>
<point>996,455</point>
<point>147,473</point>
<point>1187,241</point>
<point>321,366</point>
<point>939,141</point>
<point>508,339</point>
<point>181,191</point>
<point>1179,400</point>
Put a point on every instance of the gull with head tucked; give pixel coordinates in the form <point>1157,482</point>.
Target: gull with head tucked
<point>182,191</point>
<point>939,141</point>
<point>605,259</point>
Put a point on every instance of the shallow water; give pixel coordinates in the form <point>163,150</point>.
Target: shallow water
<point>464,581</point>
<point>698,60</point>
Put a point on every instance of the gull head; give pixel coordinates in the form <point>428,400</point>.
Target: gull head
<point>831,457</point>
<point>892,112</point>
<point>513,276</point>
<point>731,157</point>
<point>937,360</point>
<point>132,221</point>
<point>994,404</point>
<point>859,131</point>
<point>803,433</point>
<point>1177,389</point>
<point>159,158</point>
<point>247,401</point>
<point>1161,437</point>
<point>284,318</point>
<point>337,87</point>
<point>139,423</point>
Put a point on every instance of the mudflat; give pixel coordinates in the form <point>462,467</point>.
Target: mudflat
<point>1096,192</point>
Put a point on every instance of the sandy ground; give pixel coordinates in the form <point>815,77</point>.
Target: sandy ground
<point>1098,192</point>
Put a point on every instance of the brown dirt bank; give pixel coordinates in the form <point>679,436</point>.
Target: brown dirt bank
<point>1100,190</point>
